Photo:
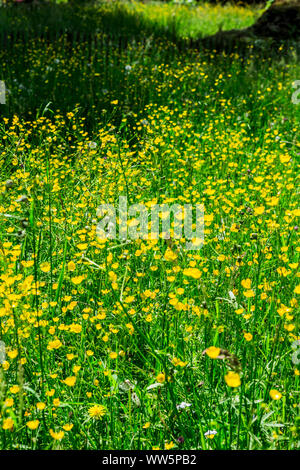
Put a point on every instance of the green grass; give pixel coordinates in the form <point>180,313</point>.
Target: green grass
<point>130,18</point>
<point>129,324</point>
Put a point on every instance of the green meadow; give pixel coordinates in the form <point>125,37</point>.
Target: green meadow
<point>137,342</point>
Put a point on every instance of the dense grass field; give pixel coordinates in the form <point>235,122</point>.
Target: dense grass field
<point>142,344</point>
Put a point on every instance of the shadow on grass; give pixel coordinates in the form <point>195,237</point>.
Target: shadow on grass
<point>115,19</point>
<point>86,20</point>
<point>68,55</point>
<point>38,19</point>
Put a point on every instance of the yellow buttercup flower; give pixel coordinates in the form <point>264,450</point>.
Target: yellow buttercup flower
<point>161,378</point>
<point>259,210</point>
<point>275,395</point>
<point>45,267</point>
<point>40,406</point>
<point>170,255</point>
<point>213,352</point>
<point>246,283</point>
<point>97,411</point>
<point>195,273</point>
<point>248,336</point>
<point>9,402</point>
<point>57,436</point>
<point>71,266</point>
<point>249,293</point>
<point>70,381</point>
<point>77,280</point>
<point>55,344</point>
<point>33,424</point>
<point>68,427</point>
<point>232,379</point>
<point>169,445</point>
<point>285,158</point>
<point>8,424</point>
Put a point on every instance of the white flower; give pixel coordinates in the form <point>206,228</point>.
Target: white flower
<point>128,68</point>
<point>92,145</point>
<point>135,399</point>
<point>183,405</point>
<point>126,385</point>
<point>2,352</point>
<point>212,432</point>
